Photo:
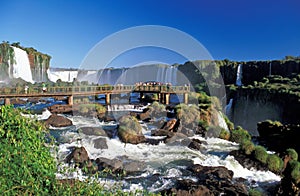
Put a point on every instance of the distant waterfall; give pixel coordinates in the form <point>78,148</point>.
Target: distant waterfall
<point>270,68</point>
<point>239,75</point>
<point>167,74</point>
<point>228,108</point>
<point>21,66</point>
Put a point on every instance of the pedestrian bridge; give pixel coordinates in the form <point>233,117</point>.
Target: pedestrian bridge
<point>163,91</point>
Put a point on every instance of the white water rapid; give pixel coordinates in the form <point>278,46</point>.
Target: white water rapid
<point>239,75</point>
<point>21,66</point>
<point>159,159</point>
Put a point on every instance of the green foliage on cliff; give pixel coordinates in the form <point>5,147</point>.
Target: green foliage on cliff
<point>260,153</point>
<point>187,113</point>
<point>295,174</point>
<point>274,163</point>
<point>292,153</point>
<point>6,59</point>
<point>239,135</point>
<point>27,166</point>
<point>247,147</point>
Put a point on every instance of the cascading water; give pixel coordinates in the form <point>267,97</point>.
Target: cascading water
<point>270,68</point>
<point>66,76</point>
<point>228,108</point>
<point>21,66</point>
<point>239,75</point>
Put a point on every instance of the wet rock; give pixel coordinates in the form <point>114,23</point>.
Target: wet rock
<point>79,156</point>
<point>100,143</point>
<point>162,132</point>
<point>60,109</point>
<point>97,131</point>
<point>248,161</point>
<point>195,144</point>
<point>171,125</point>
<point>178,139</point>
<point>58,121</point>
<point>131,166</point>
<point>115,165</point>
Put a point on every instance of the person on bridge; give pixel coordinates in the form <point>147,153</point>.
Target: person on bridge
<point>26,89</point>
<point>44,87</point>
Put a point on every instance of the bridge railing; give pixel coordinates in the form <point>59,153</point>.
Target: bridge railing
<point>97,89</point>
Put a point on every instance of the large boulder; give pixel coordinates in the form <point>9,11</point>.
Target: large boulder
<point>100,143</point>
<point>58,121</point>
<point>130,131</point>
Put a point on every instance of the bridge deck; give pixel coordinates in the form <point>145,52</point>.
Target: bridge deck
<point>90,90</point>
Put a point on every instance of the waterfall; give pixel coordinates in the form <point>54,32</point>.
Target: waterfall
<point>239,75</point>
<point>21,66</point>
<point>228,108</point>
<point>270,68</point>
<point>222,122</point>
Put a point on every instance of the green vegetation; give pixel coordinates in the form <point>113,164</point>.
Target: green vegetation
<point>274,163</point>
<point>247,147</point>
<point>187,114</point>
<point>27,166</point>
<point>292,153</point>
<point>86,109</point>
<point>260,153</point>
<point>295,174</point>
<point>239,134</point>
<point>224,134</point>
<point>255,192</point>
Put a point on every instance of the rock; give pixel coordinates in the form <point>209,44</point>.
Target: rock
<point>162,132</point>
<point>58,121</point>
<point>170,125</point>
<point>60,109</point>
<point>97,131</point>
<point>100,143</point>
<point>248,161</point>
<point>115,165</point>
<point>195,144</point>
<point>131,166</point>
<point>210,181</point>
<point>178,139</point>
<point>79,155</point>
<point>128,135</point>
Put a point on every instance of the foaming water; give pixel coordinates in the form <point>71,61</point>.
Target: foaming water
<point>164,163</point>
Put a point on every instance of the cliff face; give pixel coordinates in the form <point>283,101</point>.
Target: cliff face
<point>252,105</point>
<point>38,62</point>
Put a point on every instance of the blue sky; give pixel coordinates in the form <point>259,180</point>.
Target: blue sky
<point>233,29</point>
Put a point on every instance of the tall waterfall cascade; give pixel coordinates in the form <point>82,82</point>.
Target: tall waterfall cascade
<point>270,68</point>
<point>21,65</point>
<point>239,75</point>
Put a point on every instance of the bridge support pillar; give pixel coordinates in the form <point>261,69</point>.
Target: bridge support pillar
<point>70,100</point>
<point>185,98</point>
<point>6,101</point>
<point>107,99</point>
<point>167,99</point>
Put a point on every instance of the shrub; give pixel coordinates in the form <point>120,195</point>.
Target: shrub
<point>229,123</point>
<point>274,163</point>
<point>255,192</point>
<point>224,134</point>
<point>260,153</point>
<point>292,153</point>
<point>239,135</point>
<point>26,163</point>
<point>247,146</point>
<point>295,174</point>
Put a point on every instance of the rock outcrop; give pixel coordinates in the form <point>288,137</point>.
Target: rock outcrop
<point>58,121</point>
